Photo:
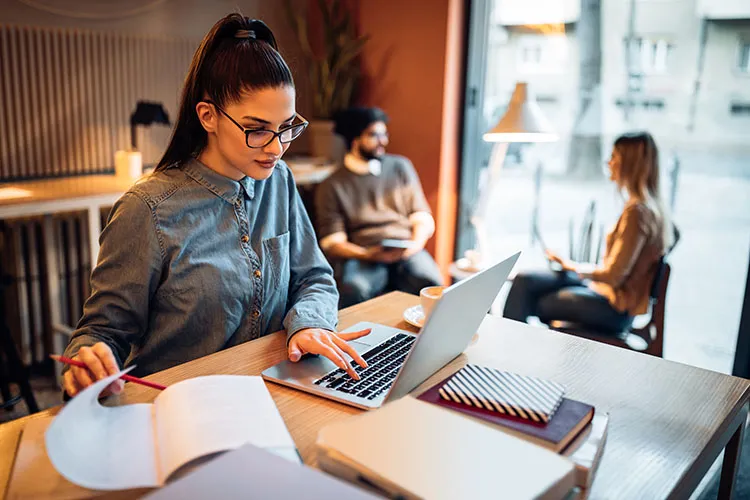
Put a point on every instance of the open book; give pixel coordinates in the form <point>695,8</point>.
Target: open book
<point>141,445</point>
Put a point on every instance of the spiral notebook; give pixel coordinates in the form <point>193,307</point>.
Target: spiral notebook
<point>565,423</point>
<point>520,396</point>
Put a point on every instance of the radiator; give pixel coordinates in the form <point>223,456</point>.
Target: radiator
<point>66,97</point>
<point>28,307</point>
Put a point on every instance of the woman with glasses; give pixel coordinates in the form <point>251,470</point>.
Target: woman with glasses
<point>606,297</point>
<point>215,247</point>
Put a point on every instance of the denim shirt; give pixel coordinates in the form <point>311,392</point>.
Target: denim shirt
<point>192,262</point>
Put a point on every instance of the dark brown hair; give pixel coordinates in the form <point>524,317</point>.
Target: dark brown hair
<point>237,55</point>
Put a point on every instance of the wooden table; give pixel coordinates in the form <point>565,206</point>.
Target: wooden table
<point>668,421</point>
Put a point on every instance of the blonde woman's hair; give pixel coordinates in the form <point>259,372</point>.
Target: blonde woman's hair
<point>639,176</point>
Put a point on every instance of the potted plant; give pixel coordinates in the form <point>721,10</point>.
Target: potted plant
<point>332,71</point>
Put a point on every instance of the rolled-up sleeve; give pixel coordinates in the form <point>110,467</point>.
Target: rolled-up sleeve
<point>329,215</point>
<point>417,201</point>
<point>313,298</point>
<point>124,280</point>
<point>626,248</point>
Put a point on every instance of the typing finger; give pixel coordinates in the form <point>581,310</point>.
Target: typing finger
<point>95,366</point>
<point>330,352</point>
<point>347,366</point>
<point>349,350</point>
<point>354,335</point>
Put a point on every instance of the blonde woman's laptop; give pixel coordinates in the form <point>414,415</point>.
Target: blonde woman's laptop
<point>398,361</point>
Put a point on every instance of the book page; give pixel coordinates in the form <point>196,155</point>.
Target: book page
<point>205,415</point>
<point>100,447</point>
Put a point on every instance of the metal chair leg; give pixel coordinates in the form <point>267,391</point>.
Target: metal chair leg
<point>17,371</point>
<point>8,400</point>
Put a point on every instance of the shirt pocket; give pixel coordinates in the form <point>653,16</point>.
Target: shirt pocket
<point>276,260</point>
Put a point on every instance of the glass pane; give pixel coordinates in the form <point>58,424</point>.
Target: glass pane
<point>644,79</point>
<point>744,57</point>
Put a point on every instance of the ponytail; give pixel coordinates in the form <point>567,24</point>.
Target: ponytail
<point>238,55</point>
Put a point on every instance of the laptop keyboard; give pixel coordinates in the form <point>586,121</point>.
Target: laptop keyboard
<point>383,360</point>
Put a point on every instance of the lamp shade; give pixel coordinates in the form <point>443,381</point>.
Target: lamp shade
<point>523,121</point>
<point>146,113</point>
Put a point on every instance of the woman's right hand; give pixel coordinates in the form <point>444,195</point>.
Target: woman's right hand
<point>100,363</point>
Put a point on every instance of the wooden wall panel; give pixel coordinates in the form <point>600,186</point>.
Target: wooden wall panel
<point>66,97</point>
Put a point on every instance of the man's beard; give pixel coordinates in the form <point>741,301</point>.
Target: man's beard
<point>369,154</point>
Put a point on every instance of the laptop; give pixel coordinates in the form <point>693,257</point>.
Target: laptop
<point>398,361</point>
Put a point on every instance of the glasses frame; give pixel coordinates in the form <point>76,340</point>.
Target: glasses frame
<point>248,131</point>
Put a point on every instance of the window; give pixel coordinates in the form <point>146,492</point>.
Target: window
<point>650,56</point>
<point>645,82</point>
<point>531,56</point>
<point>646,104</point>
<point>740,109</point>
<point>743,57</point>
<point>541,54</point>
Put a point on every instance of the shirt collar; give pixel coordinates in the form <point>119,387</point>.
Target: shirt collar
<point>248,185</point>
<point>362,167</point>
<point>221,186</point>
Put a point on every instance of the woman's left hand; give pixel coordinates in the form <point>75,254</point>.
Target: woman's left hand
<point>565,264</point>
<point>329,344</point>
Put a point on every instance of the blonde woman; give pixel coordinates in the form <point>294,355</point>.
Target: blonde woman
<point>606,297</point>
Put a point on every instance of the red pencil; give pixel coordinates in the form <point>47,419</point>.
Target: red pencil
<point>128,378</point>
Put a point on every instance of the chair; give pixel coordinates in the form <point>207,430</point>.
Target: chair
<point>15,371</point>
<point>647,331</point>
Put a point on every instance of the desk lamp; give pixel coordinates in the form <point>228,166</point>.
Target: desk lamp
<point>130,163</point>
<point>523,121</point>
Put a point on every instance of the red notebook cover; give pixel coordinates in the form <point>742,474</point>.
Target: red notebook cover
<point>567,422</point>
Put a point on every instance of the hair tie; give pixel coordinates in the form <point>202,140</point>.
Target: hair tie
<point>245,34</point>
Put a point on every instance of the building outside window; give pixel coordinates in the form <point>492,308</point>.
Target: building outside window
<point>743,57</point>
<point>650,56</point>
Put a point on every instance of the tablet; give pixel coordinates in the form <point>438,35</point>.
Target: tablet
<point>391,243</point>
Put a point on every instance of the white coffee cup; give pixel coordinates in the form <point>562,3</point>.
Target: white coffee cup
<point>474,258</point>
<point>428,297</point>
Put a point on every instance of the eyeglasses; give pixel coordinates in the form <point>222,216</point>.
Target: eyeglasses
<point>261,137</point>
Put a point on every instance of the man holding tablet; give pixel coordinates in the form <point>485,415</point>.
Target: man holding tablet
<point>373,219</point>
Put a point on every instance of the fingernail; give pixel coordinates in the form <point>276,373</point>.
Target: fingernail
<point>294,356</point>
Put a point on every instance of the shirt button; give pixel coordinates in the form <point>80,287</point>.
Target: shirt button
<point>245,238</point>
<point>257,273</point>
<point>256,313</point>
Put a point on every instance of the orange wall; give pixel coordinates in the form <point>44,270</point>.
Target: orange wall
<point>413,69</point>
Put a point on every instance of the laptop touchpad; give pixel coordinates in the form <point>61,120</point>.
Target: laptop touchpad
<point>361,345</point>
